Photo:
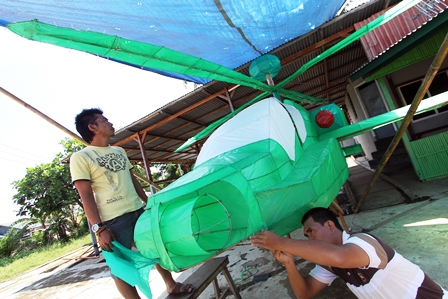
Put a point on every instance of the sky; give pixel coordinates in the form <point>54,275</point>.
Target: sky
<point>60,83</point>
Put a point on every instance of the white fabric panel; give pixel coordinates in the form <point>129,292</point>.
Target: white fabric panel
<point>263,120</point>
<point>298,120</point>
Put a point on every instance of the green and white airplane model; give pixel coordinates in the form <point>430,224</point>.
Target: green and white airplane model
<point>262,169</point>
<point>263,166</point>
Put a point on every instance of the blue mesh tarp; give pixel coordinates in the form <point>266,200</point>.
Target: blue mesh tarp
<point>230,33</point>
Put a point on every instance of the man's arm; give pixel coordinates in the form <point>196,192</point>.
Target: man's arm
<point>303,287</point>
<point>84,188</point>
<point>141,193</point>
<point>319,252</point>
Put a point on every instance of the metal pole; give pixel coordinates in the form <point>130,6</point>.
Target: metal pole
<point>430,74</point>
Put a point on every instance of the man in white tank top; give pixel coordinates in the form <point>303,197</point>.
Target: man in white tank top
<point>370,268</point>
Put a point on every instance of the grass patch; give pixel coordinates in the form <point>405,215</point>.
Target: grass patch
<point>24,261</point>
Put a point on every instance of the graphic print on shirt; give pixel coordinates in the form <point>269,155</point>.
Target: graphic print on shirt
<point>111,181</point>
<point>113,162</point>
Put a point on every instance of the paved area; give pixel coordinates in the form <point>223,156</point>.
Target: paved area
<point>417,228</point>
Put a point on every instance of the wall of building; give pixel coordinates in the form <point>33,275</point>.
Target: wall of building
<point>357,113</point>
<point>429,125</point>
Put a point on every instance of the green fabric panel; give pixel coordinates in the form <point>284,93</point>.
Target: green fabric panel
<point>297,96</point>
<point>214,169</point>
<point>339,118</point>
<point>307,185</point>
<point>207,131</point>
<point>310,127</point>
<point>384,119</point>
<point>143,236</point>
<point>195,205</point>
<point>233,219</point>
<point>255,219</point>
<point>130,266</point>
<point>192,182</point>
<point>177,215</point>
<point>235,194</point>
<point>331,175</point>
<point>272,168</point>
<point>352,150</point>
<point>132,52</point>
<point>196,217</point>
<point>387,16</point>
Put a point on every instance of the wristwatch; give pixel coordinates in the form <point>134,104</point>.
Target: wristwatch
<point>97,226</point>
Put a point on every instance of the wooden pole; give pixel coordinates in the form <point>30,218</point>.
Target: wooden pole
<point>430,74</point>
<point>51,121</point>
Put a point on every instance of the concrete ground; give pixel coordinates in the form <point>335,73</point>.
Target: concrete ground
<point>409,215</point>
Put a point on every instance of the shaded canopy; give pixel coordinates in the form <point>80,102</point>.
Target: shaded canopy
<point>164,130</point>
<point>229,33</point>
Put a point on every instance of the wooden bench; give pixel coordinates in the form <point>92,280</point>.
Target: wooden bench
<point>206,274</point>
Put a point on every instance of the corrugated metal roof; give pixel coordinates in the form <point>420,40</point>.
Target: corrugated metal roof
<point>386,36</point>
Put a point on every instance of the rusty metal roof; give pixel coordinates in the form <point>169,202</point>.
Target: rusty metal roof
<point>384,37</point>
<point>164,130</point>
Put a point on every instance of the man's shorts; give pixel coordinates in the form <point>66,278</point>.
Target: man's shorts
<point>122,227</point>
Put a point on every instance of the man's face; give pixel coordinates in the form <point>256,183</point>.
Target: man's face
<point>316,231</point>
<point>103,126</point>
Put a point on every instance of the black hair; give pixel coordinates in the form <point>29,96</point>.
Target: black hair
<point>82,121</point>
<point>322,215</point>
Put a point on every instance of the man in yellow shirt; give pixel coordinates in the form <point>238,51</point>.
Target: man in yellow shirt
<point>112,197</point>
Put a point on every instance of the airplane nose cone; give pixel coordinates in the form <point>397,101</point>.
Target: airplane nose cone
<point>189,230</point>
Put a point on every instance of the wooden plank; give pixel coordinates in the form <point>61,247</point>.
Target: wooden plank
<point>202,277</point>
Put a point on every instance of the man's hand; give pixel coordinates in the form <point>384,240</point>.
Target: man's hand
<point>282,257</point>
<point>266,239</point>
<point>105,238</point>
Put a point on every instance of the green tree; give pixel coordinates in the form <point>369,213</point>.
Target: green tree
<point>46,195</point>
<point>11,241</point>
<point>169,172</point>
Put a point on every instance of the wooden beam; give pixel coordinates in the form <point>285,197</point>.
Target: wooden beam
<point>34,110</point>
<point>325,68</point>
<point>168,119</point>
<point>140,139</point>
<point>341,34</point>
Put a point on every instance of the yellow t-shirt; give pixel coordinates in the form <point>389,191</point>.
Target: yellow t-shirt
<point>107,168</point>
